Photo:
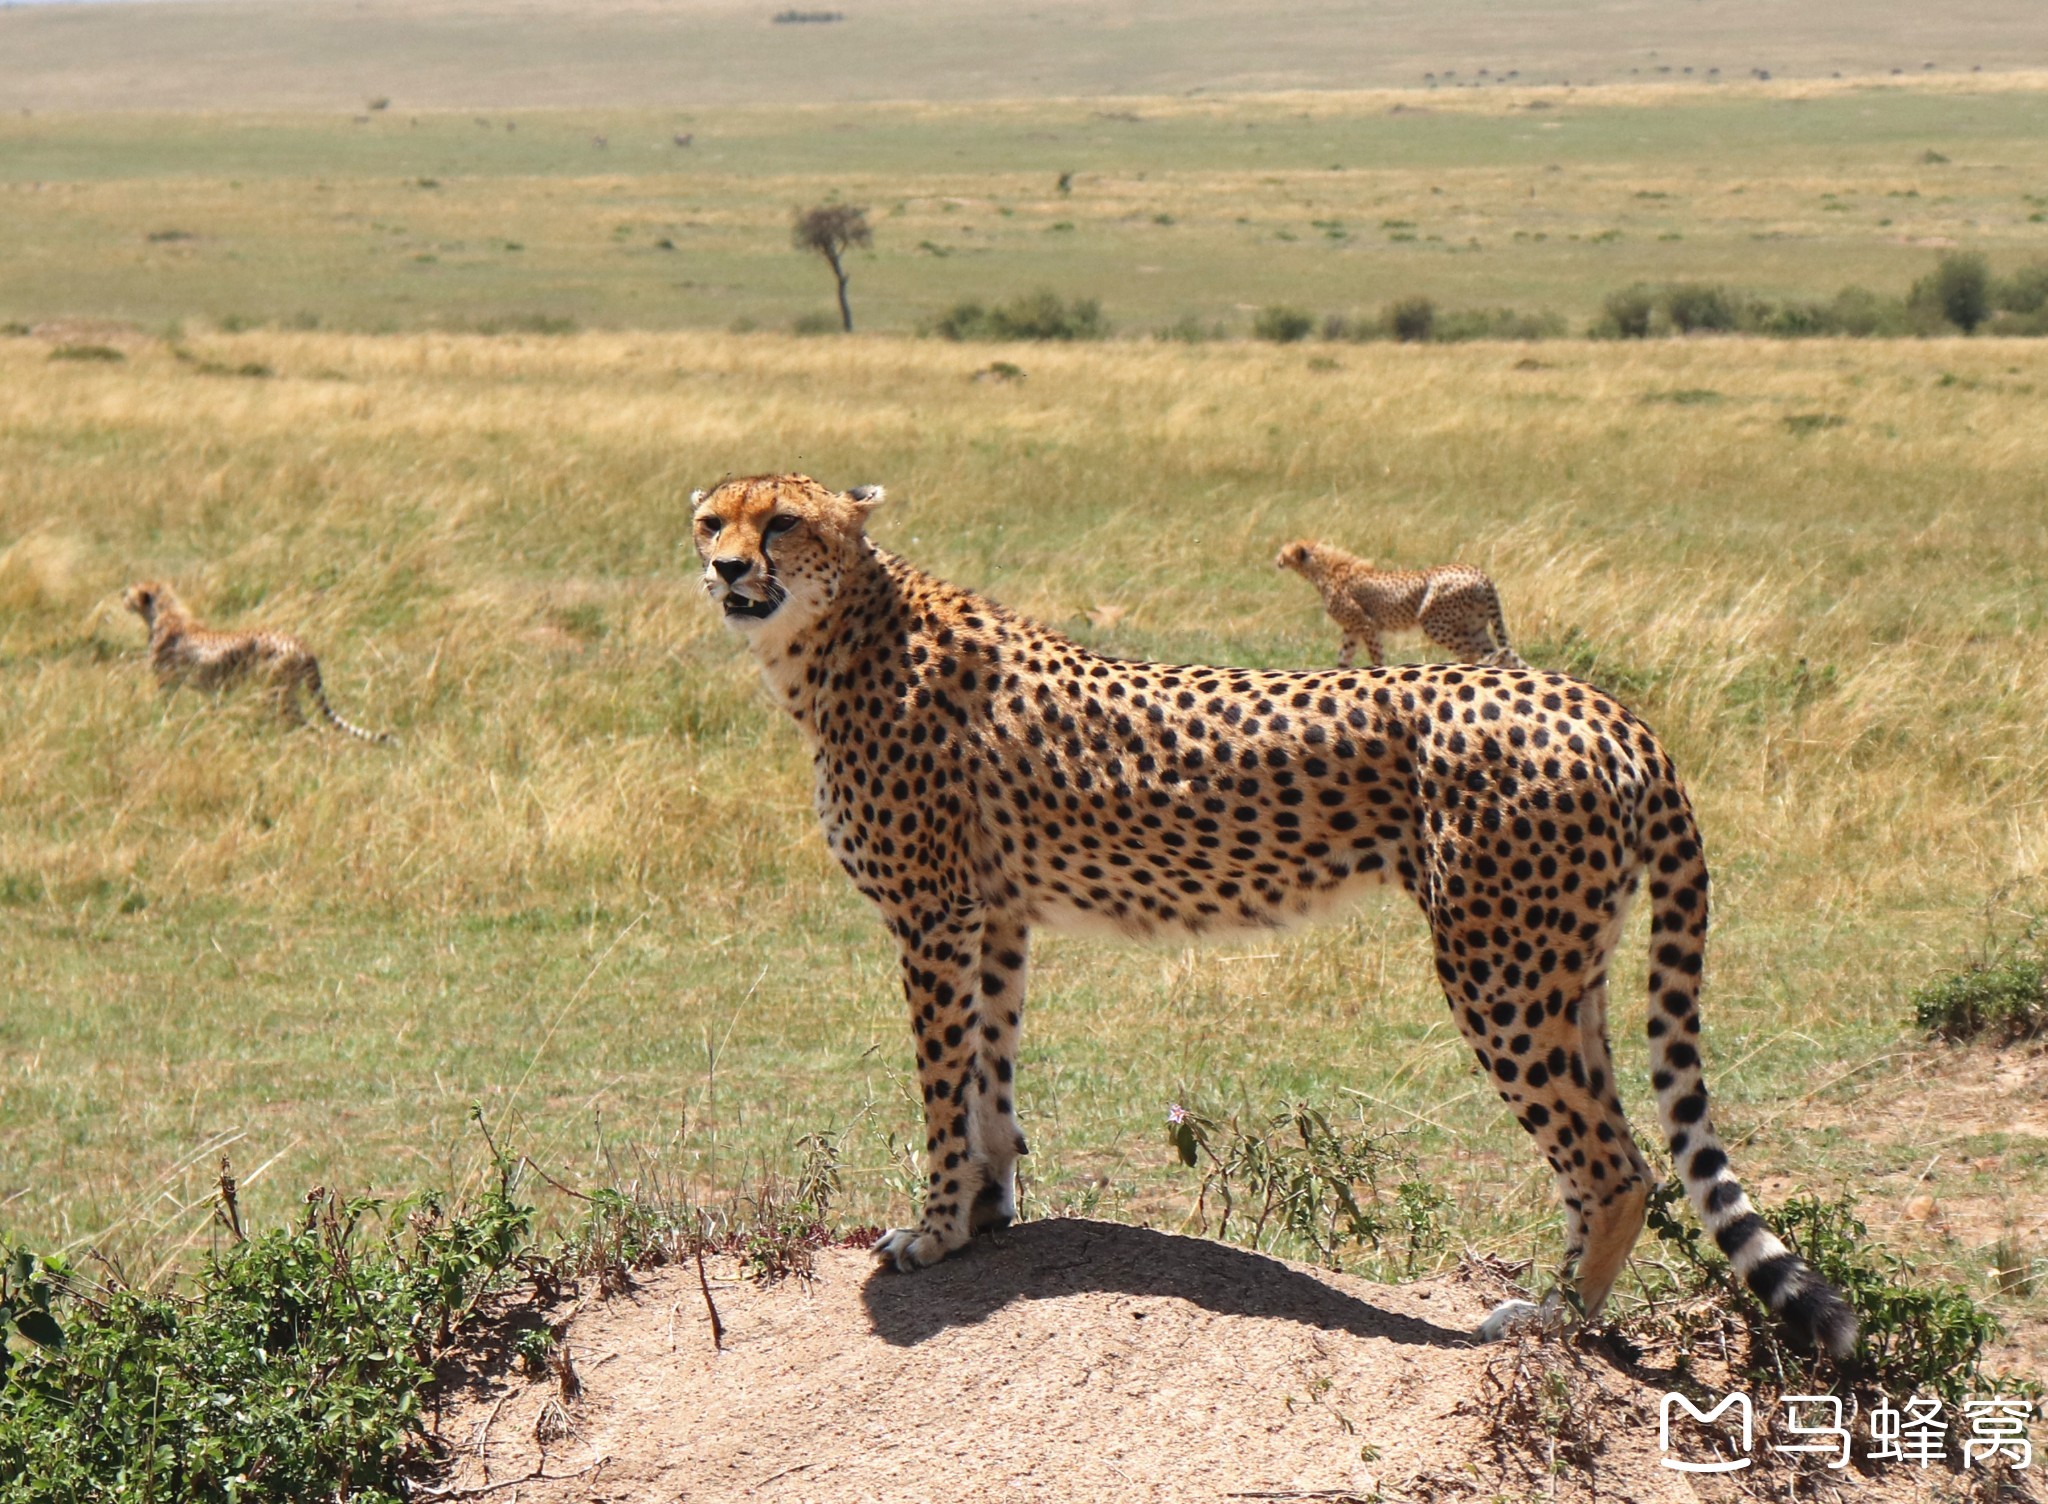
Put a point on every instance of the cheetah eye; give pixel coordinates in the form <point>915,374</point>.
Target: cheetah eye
<point>711,524</point>
<point>777,526</point>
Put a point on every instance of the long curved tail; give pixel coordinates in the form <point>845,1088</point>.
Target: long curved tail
<point>1783,1281</point>
<point>381,738</point>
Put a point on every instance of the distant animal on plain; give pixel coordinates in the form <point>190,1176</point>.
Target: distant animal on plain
<point>182,652</point>
<point>1454,605</point>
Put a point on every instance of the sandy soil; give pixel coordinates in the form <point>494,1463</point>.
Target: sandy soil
<point>1064,1360</point>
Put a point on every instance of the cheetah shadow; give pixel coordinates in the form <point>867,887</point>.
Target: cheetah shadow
<point>1070,1256</point>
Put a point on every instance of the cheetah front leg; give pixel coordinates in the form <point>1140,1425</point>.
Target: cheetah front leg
<point>941,954</point>
<point>1360,632</point>
<point>995,1138</point>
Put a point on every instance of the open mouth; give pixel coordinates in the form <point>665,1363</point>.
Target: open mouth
<point>738,605</point>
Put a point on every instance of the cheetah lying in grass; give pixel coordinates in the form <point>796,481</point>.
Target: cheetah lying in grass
<point>979,775</point>
<point>181,651</point>
<point>1454,605</point>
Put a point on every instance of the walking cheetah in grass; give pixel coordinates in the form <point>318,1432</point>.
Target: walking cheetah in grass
<point>1454,605</point>
<point>181,651</point>
<point>979,775</point>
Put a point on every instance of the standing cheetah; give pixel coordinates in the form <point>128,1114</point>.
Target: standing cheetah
<point>979,775</point>
<point>1454,605</point>
<point>181,651</point>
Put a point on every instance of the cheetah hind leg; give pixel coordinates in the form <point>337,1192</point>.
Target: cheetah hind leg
<point>286,682</point>
<point>1466,644</point>
<point>1604,1214</point>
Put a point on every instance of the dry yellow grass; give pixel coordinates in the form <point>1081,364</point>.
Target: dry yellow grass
<point>585,888</point>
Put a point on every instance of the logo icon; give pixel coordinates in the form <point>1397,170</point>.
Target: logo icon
<point>1738,1402</point>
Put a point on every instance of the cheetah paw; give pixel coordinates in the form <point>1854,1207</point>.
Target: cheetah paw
<point>1514,1317</point>
<point>910,1249</point>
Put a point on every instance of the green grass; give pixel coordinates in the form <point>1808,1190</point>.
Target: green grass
<point>1176,208</point>
<point>586,888</point>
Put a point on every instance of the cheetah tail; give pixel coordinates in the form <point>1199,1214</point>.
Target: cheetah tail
<point>1783,1281</point>
<point>381,738</point>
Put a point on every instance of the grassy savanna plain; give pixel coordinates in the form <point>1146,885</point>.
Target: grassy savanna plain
<point>586,890</point>
<point>1175,208</point>
<point>566,54</point>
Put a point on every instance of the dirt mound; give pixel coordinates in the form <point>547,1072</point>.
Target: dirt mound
<point>1066,1360</point>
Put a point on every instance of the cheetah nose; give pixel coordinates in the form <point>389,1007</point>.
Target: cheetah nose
<point>731,570</point>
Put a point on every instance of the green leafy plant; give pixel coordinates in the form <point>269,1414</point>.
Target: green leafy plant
<point>1283,325</point>
<point>27,1282</point>
<point>1411,320</point>
<point>292,1369</point>
<point>1911,1337</point>
<point>103,353</point>
<point>2004,998</point>
<point>1627,314</point>
<point>533,1347</point>
<point>1041,315</point>
<point>1959,289</point>
<point>1697,305</point>
<point>1294,1175</point>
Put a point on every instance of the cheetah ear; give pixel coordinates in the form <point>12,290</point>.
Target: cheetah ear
<point>697,499</point>
<point>867,498</point>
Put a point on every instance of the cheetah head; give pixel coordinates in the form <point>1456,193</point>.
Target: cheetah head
<point>1293,555</point>
<point>776,547</point>
<point>147,598</point>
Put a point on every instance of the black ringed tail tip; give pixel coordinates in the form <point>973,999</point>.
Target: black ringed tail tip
<point>1806,1303</point>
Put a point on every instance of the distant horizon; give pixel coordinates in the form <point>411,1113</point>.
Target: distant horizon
<point>497,55</point>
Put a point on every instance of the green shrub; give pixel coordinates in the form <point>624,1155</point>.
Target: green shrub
<point>2025,291</point>
<point>1864,314</point>
<point>1283,325</point>
<point>1794,320</point>
<point>1958,289</point>
<point>1041,315</point>
<point>2004,998</point>
<point>1695,306</point>
<point>963,321</point>
<point>817,322</point>
<point>1496,323</point>
<point>106,353</point>
<point>1412,320</point>
<point>1627,314</point>
<point>294,1369</point>
<point>1911,1337</point>
<point>2020,325</point>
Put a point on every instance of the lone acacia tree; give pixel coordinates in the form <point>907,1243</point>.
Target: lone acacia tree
<point>832,230</point>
